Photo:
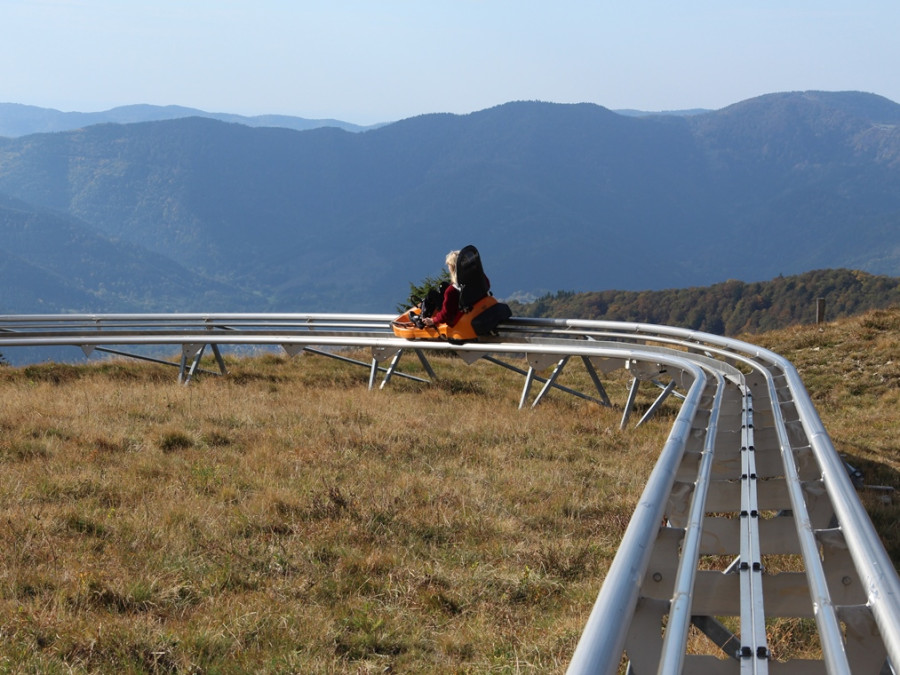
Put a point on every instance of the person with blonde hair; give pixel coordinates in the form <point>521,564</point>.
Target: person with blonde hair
<point>449,312</point>
<point>459,311</point>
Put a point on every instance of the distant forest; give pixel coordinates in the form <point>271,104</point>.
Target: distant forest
<point>729,308</point>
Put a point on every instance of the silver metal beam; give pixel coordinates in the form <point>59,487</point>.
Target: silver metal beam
<point>603,639</point>
<point>676,634</point>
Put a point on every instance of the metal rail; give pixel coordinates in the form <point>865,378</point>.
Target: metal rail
<point>747,472</point>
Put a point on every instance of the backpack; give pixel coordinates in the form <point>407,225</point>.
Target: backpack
<point>486,323</point>
<point>433,300</point>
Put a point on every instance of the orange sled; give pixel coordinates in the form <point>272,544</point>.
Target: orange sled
<point>484,317</point>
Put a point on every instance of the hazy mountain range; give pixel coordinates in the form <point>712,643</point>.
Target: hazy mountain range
<point>17,119</point>
<point>21,120</point>
<point>194,213</point>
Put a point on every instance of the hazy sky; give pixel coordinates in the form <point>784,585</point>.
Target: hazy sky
<point>367,61</point>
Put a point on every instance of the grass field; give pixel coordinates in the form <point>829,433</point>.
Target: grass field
<point>285,519</point>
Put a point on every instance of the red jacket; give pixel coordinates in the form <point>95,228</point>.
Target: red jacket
<point>449,313</point>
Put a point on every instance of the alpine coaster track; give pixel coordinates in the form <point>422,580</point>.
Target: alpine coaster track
<point>747,471</point>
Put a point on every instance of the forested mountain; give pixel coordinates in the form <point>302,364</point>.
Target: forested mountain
<point>731,307</point>
<point>52,262</point>
<point>555,197</point>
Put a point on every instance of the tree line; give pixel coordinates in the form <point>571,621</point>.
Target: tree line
<point>729,308</point>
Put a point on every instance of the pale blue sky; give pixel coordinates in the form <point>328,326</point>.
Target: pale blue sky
<point>381,60</point>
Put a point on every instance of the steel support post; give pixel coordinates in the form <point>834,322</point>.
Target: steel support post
<point>596,380</point>
<point>657,403</point>
<point>550,380</point>
<point>425,364</point>
<point>632,394</point>
<point>537,378</point>
<point>218,354</point>
<point>529,378</point>
<point>195,364</point>
<point>182,367</point>
<point>141,357</point>
<point>391,368</point>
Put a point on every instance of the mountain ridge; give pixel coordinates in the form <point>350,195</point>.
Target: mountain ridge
<point>17,119</point>
<point>555,195</point>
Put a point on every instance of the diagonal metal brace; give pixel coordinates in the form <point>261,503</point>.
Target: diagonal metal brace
<point>596,379</point>
<point>533,377</point>
<point>657,403</point>
<point>632,394</point>
<point>550,380</point>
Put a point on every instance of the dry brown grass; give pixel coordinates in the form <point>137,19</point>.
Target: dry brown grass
<point>852,371</point>
<point>284,519</point>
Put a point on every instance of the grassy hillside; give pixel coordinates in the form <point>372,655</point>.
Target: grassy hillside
<point>284,519</point>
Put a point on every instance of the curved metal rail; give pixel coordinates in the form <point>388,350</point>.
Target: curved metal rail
<point>747,472</point>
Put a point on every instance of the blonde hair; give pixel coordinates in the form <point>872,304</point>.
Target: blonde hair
<point>451,265</point>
